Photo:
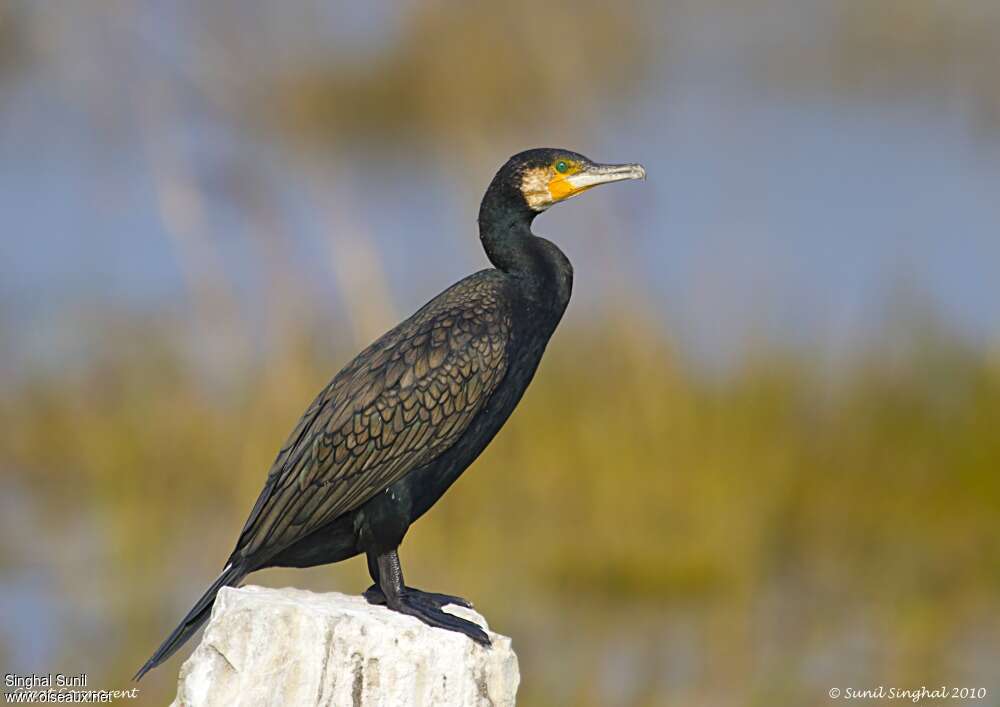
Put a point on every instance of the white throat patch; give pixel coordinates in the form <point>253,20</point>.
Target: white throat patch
<point>535,187</point>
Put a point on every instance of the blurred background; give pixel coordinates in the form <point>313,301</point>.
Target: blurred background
<point>779,470</point>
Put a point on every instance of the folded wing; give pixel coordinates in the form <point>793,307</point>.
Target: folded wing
<point>397,406</point>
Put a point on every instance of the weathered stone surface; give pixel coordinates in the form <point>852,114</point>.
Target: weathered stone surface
<point>288,647</point>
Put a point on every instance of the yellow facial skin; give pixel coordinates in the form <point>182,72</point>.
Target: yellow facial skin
<point>559,186</point>
<point>544,186</point>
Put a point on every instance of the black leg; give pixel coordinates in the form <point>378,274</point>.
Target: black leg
<point>373,566</point>
<point>375,595</point>
<point>390,590</point>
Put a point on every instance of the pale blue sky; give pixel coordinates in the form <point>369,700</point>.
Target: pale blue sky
<point>787,216</point>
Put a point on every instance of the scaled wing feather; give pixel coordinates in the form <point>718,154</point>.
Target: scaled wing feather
<point>399,405</point>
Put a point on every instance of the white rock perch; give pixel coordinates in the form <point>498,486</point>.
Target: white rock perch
<point>288,647</point>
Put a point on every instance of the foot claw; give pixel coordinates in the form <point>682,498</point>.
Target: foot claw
<point>374,595</point>
<point>441,600</point>
<point>426,606</point>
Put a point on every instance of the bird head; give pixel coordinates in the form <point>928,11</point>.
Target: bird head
<point>545,176</point>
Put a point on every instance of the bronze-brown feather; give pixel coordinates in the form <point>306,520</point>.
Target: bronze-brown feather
<point>397,406</point>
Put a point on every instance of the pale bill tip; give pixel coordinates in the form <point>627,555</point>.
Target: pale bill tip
<point>632,170</point>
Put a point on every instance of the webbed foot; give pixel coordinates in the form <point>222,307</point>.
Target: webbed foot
<point>374,595</point>
<point>426,606</point>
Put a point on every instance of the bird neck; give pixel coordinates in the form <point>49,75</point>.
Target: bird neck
<point>505,227</point>
<point>544,273</point>
<point>508,245</point>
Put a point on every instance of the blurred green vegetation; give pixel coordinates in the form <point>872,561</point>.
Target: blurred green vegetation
<point>438,82</point>
<point>468,74</point>
<point>757,536</point>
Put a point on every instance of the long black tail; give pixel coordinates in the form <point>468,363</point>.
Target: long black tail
<point>194,619</point>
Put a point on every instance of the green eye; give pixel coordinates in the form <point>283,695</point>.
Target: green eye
<point>561,166</point>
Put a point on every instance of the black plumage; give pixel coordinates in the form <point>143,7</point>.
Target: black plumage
<point>395,428</point>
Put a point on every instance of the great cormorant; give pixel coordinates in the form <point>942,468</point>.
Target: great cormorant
<point>395,428</point>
